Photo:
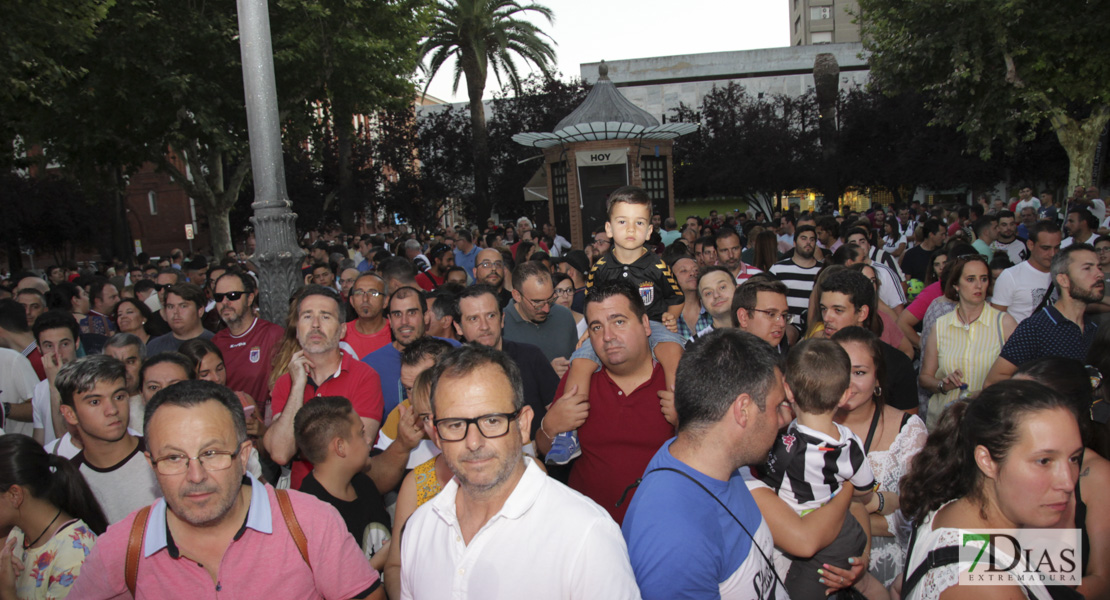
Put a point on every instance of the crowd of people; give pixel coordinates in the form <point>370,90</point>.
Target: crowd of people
<point>787,405</point>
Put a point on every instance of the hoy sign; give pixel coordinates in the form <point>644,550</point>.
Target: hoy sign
<point>598,158</point>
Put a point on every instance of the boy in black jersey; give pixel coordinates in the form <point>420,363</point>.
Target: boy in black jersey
<point>330,435</point>
<point>629,226</point>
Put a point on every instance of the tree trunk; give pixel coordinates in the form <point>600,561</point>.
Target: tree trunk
<point>342,118</point>
<point>219,231</point>
<point>1080,142</point>
<point>826,77</point>
<point>475,87</point>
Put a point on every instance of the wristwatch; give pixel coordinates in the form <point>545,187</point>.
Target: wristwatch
<point>940,387</point>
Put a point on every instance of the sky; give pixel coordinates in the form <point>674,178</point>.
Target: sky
<point>592,30</point>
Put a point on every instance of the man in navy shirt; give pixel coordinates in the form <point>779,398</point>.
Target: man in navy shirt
<point>1061,329</point>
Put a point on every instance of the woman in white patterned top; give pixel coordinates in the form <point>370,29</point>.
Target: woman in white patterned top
<point>1008,459</point>
<point>891,439</point>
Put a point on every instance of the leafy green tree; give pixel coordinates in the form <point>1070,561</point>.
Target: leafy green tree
<point>995,67</point>
<point>482,36</point>
<point>539,105</point>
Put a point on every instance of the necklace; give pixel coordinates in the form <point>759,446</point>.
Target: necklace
<point>56,515</point>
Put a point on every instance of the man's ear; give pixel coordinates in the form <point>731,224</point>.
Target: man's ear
<point>68,414</point>
<point>743,318</point>
<point>742,408</point>
<point>340,447</point>
<point>609,229</point>
<point>458,330</point>
<point>864,312</point>
<point>427,318</point>
<point>524,419</point>
<point>647,324</point>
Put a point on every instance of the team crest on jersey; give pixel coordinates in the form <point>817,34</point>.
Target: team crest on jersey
<point>647,292</point>
<point>788,441</point>
<point>256,354</point>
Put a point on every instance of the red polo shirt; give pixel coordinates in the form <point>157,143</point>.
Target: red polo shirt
<point>619,438</point>
<point>428,281</point>
<point>355,381</point>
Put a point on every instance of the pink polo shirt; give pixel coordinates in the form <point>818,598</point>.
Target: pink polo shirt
<point>261,562</point>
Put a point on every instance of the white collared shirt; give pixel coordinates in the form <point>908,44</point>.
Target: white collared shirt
<point>547,541</point>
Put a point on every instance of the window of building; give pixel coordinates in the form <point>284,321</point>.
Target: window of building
<point>819,13</point>
<point>560,195</point>
<point>653,175</point>
<point>821,37</point>
<point>152,199</point>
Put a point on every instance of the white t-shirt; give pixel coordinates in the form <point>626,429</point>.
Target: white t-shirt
<point>583,553</point>
<point>17,384</point>
<point>890,288</point>
<point>1020,289</point>
<point>1098,209</point>
<point>43,417</point>
<point>1035,202</point>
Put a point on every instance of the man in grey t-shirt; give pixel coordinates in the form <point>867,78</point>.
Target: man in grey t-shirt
<point>533,317</point>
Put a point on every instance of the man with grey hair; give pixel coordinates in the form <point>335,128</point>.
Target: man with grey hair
<point>524,224</point>
<point>94,400</point>
<point>479,533</point>
<point>1060,329</point>
<point>729,391</point>
<point>228,524</point>
<point>412,250</point>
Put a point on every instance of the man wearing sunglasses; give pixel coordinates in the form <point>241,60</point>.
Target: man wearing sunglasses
<point>248,343</point>
<point>480,532</point>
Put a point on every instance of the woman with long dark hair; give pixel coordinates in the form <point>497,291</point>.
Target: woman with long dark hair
<point>1008,459</point>
<point>54,516</point>
<point>891,439</point>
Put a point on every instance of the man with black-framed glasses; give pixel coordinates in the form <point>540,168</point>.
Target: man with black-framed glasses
<point>480,532</point>
<point>248,343</point>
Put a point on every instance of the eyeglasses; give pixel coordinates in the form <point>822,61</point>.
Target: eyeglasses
<point>162,286</point>
<point>539,304</point>
<point>774,315</point>
<point>564,292</point>
<point>602,241</point>
<point>233,296</point>
<point>361,293</point>
<point>1102,249</point>
<point>491,426</point>
<point>487,264</point>
<point>211,460</point>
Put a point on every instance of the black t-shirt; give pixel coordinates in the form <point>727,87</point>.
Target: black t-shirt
<point>916,262</point>
<point>539,378</point>
<point>901,381</point>
<point>365,516</point>
<point>649,275</point>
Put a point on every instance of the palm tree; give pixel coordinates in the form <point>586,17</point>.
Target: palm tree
<point>482,35</point>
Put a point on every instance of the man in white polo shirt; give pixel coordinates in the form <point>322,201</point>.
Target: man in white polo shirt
<point>501,528</point>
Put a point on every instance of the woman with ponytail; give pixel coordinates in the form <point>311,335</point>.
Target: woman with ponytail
<point>54,517</point>
<point>1007,460</point>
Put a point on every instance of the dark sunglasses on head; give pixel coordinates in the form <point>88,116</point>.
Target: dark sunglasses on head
<point>233,296</point>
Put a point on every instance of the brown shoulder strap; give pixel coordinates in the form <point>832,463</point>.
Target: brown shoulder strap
<point>135,549</point>
<point>292,525</point>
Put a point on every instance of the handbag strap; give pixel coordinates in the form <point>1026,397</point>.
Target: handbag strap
<point>871,431</point>
<point>292,525</point>
<point>134,549</point>
<point>937,557</point>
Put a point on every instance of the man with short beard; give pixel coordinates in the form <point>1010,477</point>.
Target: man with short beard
<point>479,319</point>
<point>489,269</point>
<point>247,343</point>
<point>224,520</point>
<point>1062,328</point>
<point>1007,240</point>
<point>799,272</point>
<point>369,331</point>
<point>319,368</point>
<point>408,320</point>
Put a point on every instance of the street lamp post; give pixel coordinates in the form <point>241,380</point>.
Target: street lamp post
<point>277,254</point>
